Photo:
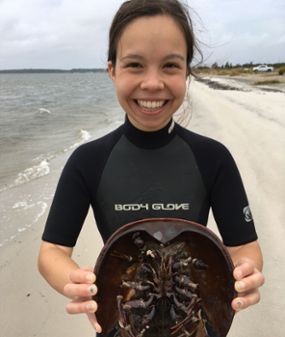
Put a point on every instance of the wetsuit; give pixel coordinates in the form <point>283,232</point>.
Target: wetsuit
<point>129,175</point>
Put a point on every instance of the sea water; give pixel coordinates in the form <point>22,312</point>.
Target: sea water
<point>43,118</point>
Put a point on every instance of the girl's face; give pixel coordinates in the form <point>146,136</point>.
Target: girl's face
<point>151,71</point>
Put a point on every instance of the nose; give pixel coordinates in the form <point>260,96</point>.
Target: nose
<point>152,81</point>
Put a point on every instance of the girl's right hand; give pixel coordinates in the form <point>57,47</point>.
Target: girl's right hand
<point>80,290</point>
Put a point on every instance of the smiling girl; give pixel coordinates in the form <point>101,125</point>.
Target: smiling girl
<point>150,75</point>
<point>150,159</point>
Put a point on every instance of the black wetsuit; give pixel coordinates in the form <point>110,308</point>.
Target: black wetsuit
<point>129,175</point>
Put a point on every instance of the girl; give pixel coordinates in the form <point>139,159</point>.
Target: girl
<point>149,159</point>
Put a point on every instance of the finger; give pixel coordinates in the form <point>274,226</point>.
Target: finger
<point>84,275</point>
<point>253,281</point>
<point>94,322</point>
<point>243,269</point>
<point>87,307</point>
<point>243,302</point>
<point>77,291</point>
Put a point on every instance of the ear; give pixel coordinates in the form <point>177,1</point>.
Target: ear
<point>111,70</point>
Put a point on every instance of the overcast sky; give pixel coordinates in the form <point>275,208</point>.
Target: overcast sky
<point>73,33</point>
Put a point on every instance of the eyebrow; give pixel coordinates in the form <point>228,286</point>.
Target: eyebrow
<point>175,56</point>
<point>139,57</point>
<point>131,56</point>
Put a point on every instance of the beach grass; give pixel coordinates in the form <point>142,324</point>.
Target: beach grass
<point>267,82</point>
<point>223,71</point>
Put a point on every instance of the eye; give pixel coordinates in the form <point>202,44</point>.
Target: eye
<point>134,65</point>
<point>172,65</point>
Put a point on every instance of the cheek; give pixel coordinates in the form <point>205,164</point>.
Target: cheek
<point>179,88</point>
<point>123,87</point>
<point>124,93</point>
<point>120,92</point>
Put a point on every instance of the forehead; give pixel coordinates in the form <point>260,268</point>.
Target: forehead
<point>156,33</point>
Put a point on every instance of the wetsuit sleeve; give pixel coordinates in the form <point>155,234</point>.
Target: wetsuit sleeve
<point>77,188</point>
<point>230,204</point>
<point>226,194</point>
<point>70,205</point>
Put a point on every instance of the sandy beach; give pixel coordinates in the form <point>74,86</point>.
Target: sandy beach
<point>250,121</point>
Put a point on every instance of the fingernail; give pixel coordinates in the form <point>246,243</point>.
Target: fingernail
<point>239,304</point>
<point>240,286</point>
<point>97,328</point>
<point>92,289</point>
<point>90,277</point>
<point>238,275</point>
<point>90,307</point>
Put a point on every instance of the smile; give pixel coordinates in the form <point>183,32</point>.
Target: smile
<point>150,104</point>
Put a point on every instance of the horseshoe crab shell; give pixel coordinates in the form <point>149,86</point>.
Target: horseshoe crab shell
<point>216,283</point>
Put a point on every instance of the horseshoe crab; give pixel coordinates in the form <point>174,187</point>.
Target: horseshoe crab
<point>164,277</point>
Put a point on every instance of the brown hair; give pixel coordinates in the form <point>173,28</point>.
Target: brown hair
<point>133,9</point>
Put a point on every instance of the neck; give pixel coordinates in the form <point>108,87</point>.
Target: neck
<point>150,139</point>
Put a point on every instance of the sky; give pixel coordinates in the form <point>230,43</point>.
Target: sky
<point>65,34</point>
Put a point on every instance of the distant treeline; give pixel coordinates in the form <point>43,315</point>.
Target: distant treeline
<point>48,71</point>
<point>229,65</point>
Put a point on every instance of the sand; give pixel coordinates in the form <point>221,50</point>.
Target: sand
<point>251,123</point>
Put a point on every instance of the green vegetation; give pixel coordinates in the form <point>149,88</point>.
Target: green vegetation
<point>228,69</point>
<point>267,82</point>
<point>222,71</point>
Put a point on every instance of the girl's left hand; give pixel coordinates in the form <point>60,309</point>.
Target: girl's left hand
<point>248,280</point>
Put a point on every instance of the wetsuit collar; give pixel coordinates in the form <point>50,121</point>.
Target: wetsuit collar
<point>150,140</point>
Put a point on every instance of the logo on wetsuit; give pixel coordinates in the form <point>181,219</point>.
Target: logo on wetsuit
<point>154,207</point>
<point>247,214</point>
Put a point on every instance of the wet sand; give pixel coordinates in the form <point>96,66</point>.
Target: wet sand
<point>251,124</point>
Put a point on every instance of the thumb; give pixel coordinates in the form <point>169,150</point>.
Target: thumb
<point>93,320</point>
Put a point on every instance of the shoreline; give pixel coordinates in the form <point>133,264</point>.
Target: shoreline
<point>269,82</point>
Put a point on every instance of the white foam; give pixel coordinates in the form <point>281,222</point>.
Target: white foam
<point>84,135</point>
<point>38,209</point>
<point>33,172</point>
<point>43,206</point>
<point>23,205</point>
<point>43,167</point>
<point>44,111</point>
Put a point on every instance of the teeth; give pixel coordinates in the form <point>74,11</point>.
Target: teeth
<point>150,104</point>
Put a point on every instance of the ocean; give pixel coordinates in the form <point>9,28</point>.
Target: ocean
<point>43,118</point>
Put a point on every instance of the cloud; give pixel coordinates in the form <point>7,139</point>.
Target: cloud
<point>241,31</point>
<point>74,33</point>
<point>65,33</point>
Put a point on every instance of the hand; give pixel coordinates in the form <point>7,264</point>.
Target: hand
<point>248,280</point>
<point>80,290</point>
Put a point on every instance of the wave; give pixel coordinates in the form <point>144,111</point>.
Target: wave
<point>34,172</point>
<point>42,168</point>
<point>24,206</point>
<point>44,111</point>
<point>84,136</point>
<point>37,210</point>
